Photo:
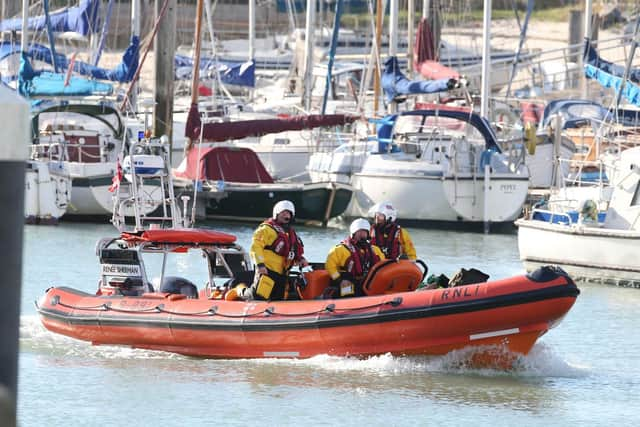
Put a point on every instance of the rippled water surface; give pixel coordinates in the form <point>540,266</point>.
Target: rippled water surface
<point>584,372</point>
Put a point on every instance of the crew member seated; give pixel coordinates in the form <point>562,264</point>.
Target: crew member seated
<point>393,240</point>
<point>349,261</point>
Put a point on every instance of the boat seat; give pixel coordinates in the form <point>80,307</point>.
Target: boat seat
<point>391,276</point>
<point>179,285</point>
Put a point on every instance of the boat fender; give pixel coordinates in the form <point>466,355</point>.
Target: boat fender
<point>179,285</point>
<point>547,273</point>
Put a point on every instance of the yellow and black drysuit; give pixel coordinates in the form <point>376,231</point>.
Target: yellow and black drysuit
<point>351,261</point>
<point>278,250</point>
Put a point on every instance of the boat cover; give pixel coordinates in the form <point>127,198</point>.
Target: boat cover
<point>425,55</point>
<point>190,236</point>
<point>39,83</point>
<point>233,164</point>
<point>123,72</point>
<point>395,83</point>
<point>592,58</point>
<point>425,47</point>
<point>81,19</point>
<point>578,112</point>
<point>611,75</point>
<point>102,111</point>
<point>217,132</point>
<point>385,125</point>
<point>231,73</point>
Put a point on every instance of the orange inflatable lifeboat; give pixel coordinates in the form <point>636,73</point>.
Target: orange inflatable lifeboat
<point>395,317</point>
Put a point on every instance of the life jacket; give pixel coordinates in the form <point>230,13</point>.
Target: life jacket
<point>287,244</point>
<point>387,238</point>
<point>361,259</point>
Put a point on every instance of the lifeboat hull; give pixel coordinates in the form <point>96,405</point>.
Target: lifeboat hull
<point>512,313</point>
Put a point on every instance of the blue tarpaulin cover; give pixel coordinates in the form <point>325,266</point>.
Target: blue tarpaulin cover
<point>81,19</point>
<point>231,73</point>
<point>123,72</point>
<point>36,83</point>
<point>395,83</point>
<point>611,75</point>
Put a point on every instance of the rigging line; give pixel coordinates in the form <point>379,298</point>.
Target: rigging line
<point>240,316</point>
<point>155,309</point>
<point>146,51</point>
<point>393,302</point>
<point>103,33</point>
<point>100,307</point>
<point>209,312</point>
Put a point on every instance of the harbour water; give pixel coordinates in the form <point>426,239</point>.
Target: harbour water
<point>584,372</point>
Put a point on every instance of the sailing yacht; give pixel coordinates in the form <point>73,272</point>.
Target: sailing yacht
<point>434,165</point>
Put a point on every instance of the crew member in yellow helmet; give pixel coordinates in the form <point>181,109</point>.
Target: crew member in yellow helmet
<point>349,262</point>
<point>275,248</point>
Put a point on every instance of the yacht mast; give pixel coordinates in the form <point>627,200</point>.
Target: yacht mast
<point>486,60</point>
<point>308,54</point>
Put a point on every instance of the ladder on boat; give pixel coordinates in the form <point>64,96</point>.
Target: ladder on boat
<point>147,170</point>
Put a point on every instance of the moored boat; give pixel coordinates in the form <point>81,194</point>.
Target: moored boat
<point>588,245</point>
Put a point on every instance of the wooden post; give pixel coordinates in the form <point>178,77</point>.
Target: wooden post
<point>10,8</point>
<point>13,153</point>
<point>164,50</point>
<point>576,34</point>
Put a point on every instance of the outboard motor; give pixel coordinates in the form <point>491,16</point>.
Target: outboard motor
<point>179,285</point>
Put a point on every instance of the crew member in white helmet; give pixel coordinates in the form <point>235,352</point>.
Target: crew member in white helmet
<point>275,248</point>
<point>393,240</point>
<point>349,261</point>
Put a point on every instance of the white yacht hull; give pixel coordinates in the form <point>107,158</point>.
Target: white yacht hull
<point>91,195</point>
<point>47,192</point>
<point>591,253</point>
<point>434,198</point>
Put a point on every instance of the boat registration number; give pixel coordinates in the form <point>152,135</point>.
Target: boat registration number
<point>121,269</point>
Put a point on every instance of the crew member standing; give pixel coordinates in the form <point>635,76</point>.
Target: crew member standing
<point>275,248</point>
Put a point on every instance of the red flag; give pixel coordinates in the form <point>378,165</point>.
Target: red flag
<point>115,181</point>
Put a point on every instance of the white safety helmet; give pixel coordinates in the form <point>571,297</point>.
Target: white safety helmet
<point>359,224</point>
<point>283,205</point>
<point>386,209</point>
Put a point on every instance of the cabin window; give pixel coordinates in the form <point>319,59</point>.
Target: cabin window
<point>281,141</point>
